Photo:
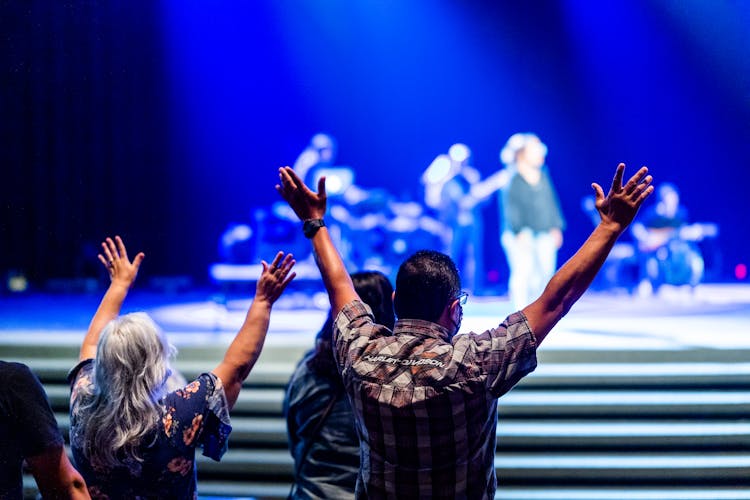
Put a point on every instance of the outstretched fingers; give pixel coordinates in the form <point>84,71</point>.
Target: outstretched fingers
<point>289,178</point>
<point>322,187</point>
<point>288,279</point>
<point>138,259</point>
<point>121,248</point>
<point>276,260</point>
<point>284,274</point>
<point>279,266</point>
<point>108,259</point>
<point>276,276</point>
<point>617,180</point>
<point>285,181</point>
<point>644,194</point>
<point>635,181</point>
<point>110,252</point>
<point>643,184</point>
<point>598,191</point>
<point>288,262</point>
<point>290,182</point>
<point>104,261</point>
<point>114,258</point>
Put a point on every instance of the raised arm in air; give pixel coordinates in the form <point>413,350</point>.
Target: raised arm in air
<point>310,206</point>
<point>122,274</point>
<point>244,350</point>
<point>616,211</point>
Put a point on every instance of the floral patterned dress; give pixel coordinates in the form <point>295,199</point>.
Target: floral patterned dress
<point>195,415</point>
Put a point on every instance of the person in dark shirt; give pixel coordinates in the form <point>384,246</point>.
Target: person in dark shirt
<point>666,243</point>
<point>532,222</point>
<point>320,420</point>
<point>662,221</point>
<point>28,431</point>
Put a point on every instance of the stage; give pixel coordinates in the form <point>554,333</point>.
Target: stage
<point>711,316</point>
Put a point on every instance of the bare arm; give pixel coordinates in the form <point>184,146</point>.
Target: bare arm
<point>617,211</point>
<point>498,180</point>
<point>122,274</point>
<point>244,350</point>
<point>309,205</point>
<point>55,475</point>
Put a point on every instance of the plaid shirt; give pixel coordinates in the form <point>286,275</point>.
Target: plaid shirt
<point>426,404</point>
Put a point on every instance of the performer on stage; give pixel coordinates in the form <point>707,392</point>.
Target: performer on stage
<point>450,196</point>
<point>455,191</point>
<point>532,222</point>
<point>666,243</point>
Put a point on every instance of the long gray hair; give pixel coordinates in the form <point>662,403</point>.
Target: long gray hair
<point>130,374</point>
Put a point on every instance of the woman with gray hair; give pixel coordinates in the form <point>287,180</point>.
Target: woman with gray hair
<point>130,435</point>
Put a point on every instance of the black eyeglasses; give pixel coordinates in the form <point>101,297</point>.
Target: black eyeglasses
<point>462,297</point>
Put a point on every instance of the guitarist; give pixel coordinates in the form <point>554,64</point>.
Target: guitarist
<point>457,198</point>
<point>666,243</point>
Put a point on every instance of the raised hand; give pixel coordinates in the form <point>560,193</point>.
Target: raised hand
<point>122,273</point>
<point>115,259</point>
<point>617,211</point>
<point>275,277</point>
<point>244,350</point>
<point>305,203</point>
<point>619,207</point>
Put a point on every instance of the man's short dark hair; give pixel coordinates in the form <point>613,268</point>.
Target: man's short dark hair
<point>426,282</point>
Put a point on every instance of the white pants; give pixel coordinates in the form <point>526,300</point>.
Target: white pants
<point>532,259</point>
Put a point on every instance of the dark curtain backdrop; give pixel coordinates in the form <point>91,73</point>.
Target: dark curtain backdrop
<point>82,133</point>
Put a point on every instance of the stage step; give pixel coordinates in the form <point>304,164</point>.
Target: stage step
<point>529,468</point>
<point>568,374</point>
<point>526,402</point>
<point>222,490</point>
<point>548,435</point>
<point>652,424</point>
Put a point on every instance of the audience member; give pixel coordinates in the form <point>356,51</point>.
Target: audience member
<point>130,436</point>
<point>28,431</point>
<point>425,398</point>
<point>320,421</point>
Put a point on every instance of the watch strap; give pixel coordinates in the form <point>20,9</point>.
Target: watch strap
<point>311,226</point>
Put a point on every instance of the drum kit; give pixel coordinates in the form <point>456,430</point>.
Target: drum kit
<point>371,231</point>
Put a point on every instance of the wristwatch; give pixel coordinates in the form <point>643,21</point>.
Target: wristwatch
<point>311,226</point>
